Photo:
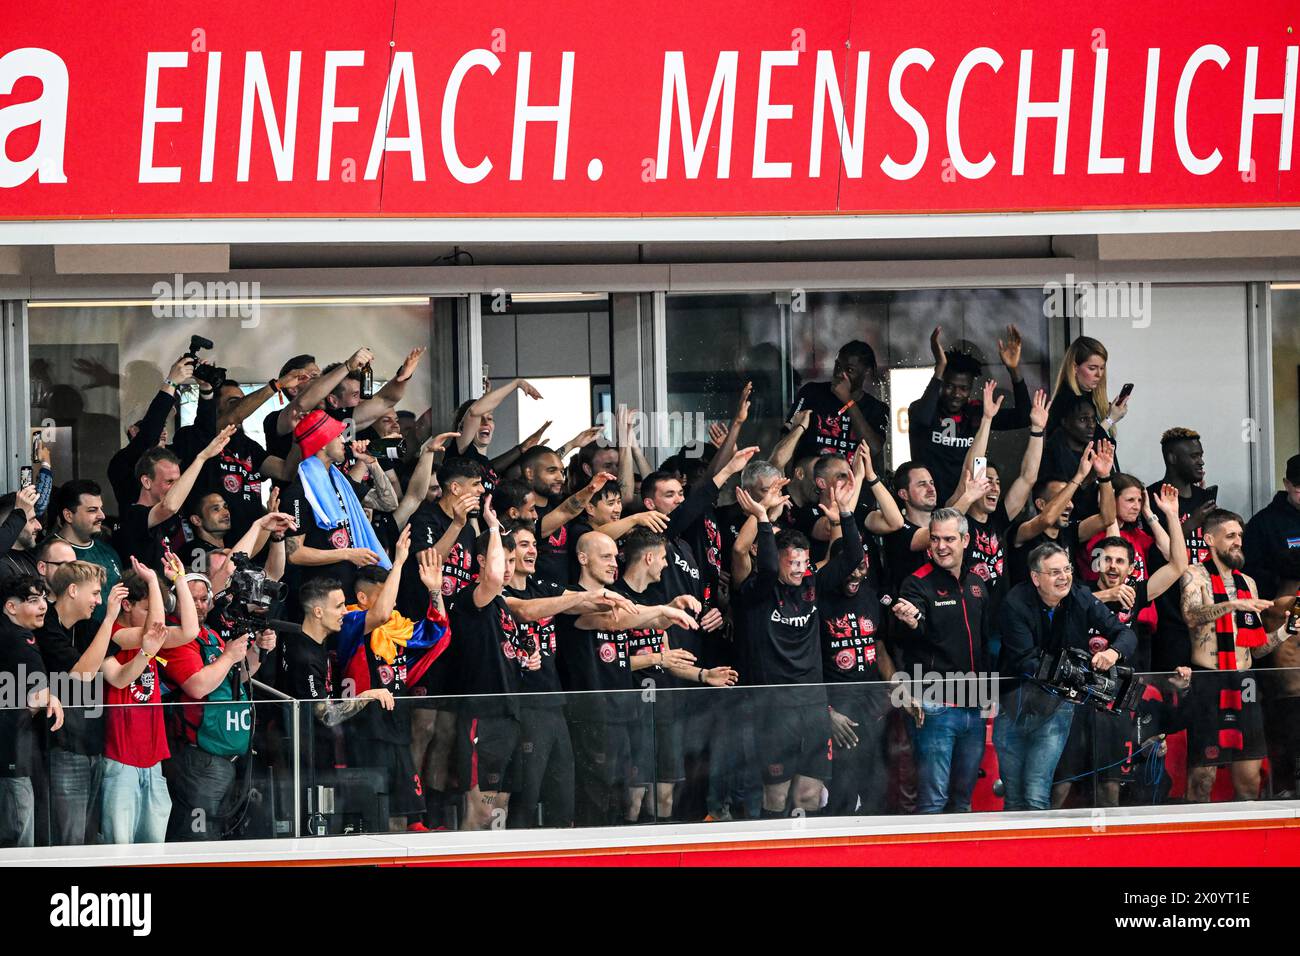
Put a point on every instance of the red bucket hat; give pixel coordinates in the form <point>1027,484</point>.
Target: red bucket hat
<point>316,431</point>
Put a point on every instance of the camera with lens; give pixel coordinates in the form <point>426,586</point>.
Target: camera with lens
<point>212,375</point>
<point>1069,674</point>
<point>250,588</point>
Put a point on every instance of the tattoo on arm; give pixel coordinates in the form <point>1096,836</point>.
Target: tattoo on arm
<point>291,545</point>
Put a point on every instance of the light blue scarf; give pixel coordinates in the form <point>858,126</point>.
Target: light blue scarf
<point>319,484</point>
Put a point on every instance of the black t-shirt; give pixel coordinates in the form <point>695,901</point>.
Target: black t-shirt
<point>281,446</point>
<point>986,555</point>
<point>19,662</point>
<point>900,560</point>
<point>553,549</point>
<point>1067,537</point>
<point>489,658</point>
<point>1127,616</point>
<point>596,660</point>
<point>705,540</point>
<point>374,722</point>
<point>782,627</point>
<point>543,684</point>
<point>829,431</point>
<point>851,627</point>
<point>577,528</point>
<point>135,537</point>
<point>236,474</point>
<point>490,476</point>
<point>304,667</point>
<point>459,571</point>
<point>60,648</point>
<point>338,538</point>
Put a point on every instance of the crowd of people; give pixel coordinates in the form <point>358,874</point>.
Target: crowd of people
<point>559,636</point>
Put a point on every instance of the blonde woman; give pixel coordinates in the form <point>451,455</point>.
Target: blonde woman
<point>1083,372</point>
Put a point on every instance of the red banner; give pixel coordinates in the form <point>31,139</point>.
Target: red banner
<point>489,109</point>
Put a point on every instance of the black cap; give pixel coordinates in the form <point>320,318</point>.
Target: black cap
<point>1293,469</point>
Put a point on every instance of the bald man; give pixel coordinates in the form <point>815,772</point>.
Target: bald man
<point>612,730</point>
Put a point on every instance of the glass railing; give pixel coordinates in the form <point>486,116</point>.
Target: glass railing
<point>274,767</point>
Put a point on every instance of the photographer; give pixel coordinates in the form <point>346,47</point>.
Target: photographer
<point>208,671</point>
<point>1041,617</point>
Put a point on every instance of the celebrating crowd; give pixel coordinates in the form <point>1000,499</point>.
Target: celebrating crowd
<point>559,636</point>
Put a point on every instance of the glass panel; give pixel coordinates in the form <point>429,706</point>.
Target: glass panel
<point>271,768</point>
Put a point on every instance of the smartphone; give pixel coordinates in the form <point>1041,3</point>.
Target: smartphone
<point>1125,392</point>
<point>1212,492</point>
<point>981,465</point>
<point>25,476</point>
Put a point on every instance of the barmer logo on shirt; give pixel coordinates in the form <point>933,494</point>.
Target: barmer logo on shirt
<point>76,909</point>
<point>799,621</point>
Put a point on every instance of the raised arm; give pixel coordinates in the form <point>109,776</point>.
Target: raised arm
<point>417,489</point>
<point>492,577</point>
<point>254,400</point>
<point>1056,507</point>
<point>315,391</point>
<point>573,505</point>
<point>728,446</point>
<point>1165,578</point>
<point>374,408</point>
<point>1103,463</point>
<point>487,402</point>
<point>386,600</point>
<point>785,448</point>
<point>1015,497</point>
<point>174,500</point>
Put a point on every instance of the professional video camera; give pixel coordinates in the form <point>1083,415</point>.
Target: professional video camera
<point>1069,674</point>
<point>213,375</point>
<point>249,598</point>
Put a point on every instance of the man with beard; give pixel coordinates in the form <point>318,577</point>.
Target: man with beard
<point>1229,626</point>
<point>595,655</point>
<point>18,531</point>
<point>856,665</point>
<point>80,509</point>
<point>1126,598</point>
<point>945,418</point>
<point>1054,502</point>
<point>543,470</point>
<point>843,412</point>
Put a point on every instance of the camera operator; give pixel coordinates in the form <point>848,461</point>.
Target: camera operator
<point>1041,617</point>
<point>208,671</point>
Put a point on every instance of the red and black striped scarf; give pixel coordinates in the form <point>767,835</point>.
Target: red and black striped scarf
<point>1239,629</point>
